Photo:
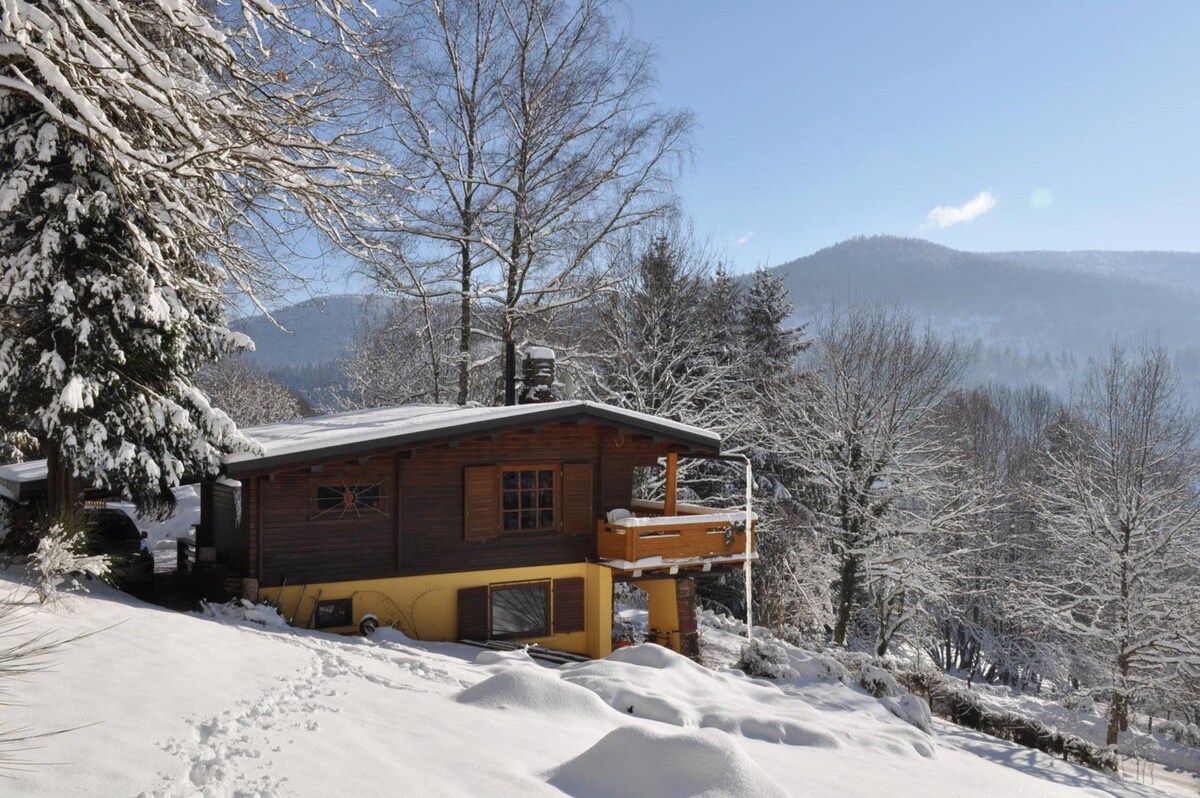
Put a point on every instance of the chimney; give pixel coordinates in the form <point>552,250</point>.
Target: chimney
<point>538,376</point>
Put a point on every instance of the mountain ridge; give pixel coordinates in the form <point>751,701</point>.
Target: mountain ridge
<point>1031,315</point>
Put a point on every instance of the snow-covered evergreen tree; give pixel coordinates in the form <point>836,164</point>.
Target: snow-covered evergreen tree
<point>136,141</point>
<point>105,321</point>
<point>658,350</point>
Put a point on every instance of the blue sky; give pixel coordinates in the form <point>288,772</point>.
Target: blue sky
<point>820,121</point>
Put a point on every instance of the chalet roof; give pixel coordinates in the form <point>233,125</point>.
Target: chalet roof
<point>344,434</point>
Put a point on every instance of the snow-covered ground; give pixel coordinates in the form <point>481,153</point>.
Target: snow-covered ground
<point>169,704</point>
<point>1147,754</point>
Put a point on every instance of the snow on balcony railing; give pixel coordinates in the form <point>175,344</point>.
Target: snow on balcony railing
<point>695,536</point>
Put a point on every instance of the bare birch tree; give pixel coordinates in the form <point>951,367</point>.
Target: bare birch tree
<point>435,76</point>
<point>529,132</point>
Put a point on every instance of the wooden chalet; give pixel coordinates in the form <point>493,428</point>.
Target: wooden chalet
<point>455,523</point>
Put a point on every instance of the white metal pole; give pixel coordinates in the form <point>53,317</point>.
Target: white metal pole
<point>746,566</point>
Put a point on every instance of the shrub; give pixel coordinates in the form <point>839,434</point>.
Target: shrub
<point>766,659</point>
<point>61,556</point>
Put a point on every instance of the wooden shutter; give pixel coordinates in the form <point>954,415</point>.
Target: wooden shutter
<point>473,613</point>
<point>577,515</point>
<point>481,515</point>
<point>568,605</point>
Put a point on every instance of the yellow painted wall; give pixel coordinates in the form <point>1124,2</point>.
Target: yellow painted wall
<point>426,607</point>
<point>664,609</point>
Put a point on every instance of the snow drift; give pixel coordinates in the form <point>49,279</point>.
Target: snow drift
<point>691,764</point>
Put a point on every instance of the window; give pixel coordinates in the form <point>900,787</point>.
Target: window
<point>334,613</point>
<point>520,610</point>
<point>527,499</point>
<point>350,498</point>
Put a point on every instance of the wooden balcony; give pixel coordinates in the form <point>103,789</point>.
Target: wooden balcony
<point>693,538</point>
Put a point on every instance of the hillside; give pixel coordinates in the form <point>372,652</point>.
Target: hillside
<point>168,704</point>
<point>317,330</point>
<point>1031,302</point>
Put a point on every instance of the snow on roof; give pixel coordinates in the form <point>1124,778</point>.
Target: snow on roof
<point>15,475</point>
<point>339,433</point>
<point>398,425</point>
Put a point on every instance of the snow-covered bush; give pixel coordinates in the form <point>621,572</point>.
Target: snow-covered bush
<point>765,658</point>
<point>910,709</point>
<point>1182,733</point>
<point>245,610</point>
<point>61,556</point>
<point>878,682</point>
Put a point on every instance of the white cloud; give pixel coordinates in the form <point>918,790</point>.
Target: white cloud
<point>746,237</point>
<point>946,215</point>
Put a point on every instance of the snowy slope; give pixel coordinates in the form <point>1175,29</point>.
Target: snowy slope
<point>165,704</point>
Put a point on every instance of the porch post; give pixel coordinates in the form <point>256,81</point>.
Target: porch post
<point>672,478</point>
<point>749,549</point>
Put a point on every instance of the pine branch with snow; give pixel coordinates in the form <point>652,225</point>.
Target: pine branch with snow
<point>148,152</point>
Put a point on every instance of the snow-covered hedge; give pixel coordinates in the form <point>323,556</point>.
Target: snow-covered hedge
<point>961,706</point>
<point>878,682</point>
<point>1182,733</point>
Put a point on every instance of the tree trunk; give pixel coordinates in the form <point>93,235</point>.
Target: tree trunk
<point>846,594</point>
<point>464,331</point>
<point>61,488</point>
<point>1116,711</point>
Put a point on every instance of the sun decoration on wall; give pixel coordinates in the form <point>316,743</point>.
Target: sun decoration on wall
<point>344,499</point>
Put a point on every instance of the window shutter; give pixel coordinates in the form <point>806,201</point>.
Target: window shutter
<point>577,515</point>
<point>481,515</point>
<point>473,613</point>
<point>568,605</point>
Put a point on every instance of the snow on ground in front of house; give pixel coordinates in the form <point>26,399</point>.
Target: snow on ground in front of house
<point>169,704</point>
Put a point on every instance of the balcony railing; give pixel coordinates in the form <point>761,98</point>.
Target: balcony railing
<point>696,537</point>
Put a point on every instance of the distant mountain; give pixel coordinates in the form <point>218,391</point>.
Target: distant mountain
<point>1030,302</point>
<point>1168,269</point>
<point>315,331</point>
<point>1029,316</point>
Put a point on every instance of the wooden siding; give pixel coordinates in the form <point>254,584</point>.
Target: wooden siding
<point>425,529</point>
<point>327,548</point>
<point>434,501</point>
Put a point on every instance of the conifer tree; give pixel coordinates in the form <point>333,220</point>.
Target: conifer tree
<point>138,143</point>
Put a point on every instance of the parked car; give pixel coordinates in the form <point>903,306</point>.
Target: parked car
<point>113,533</point>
